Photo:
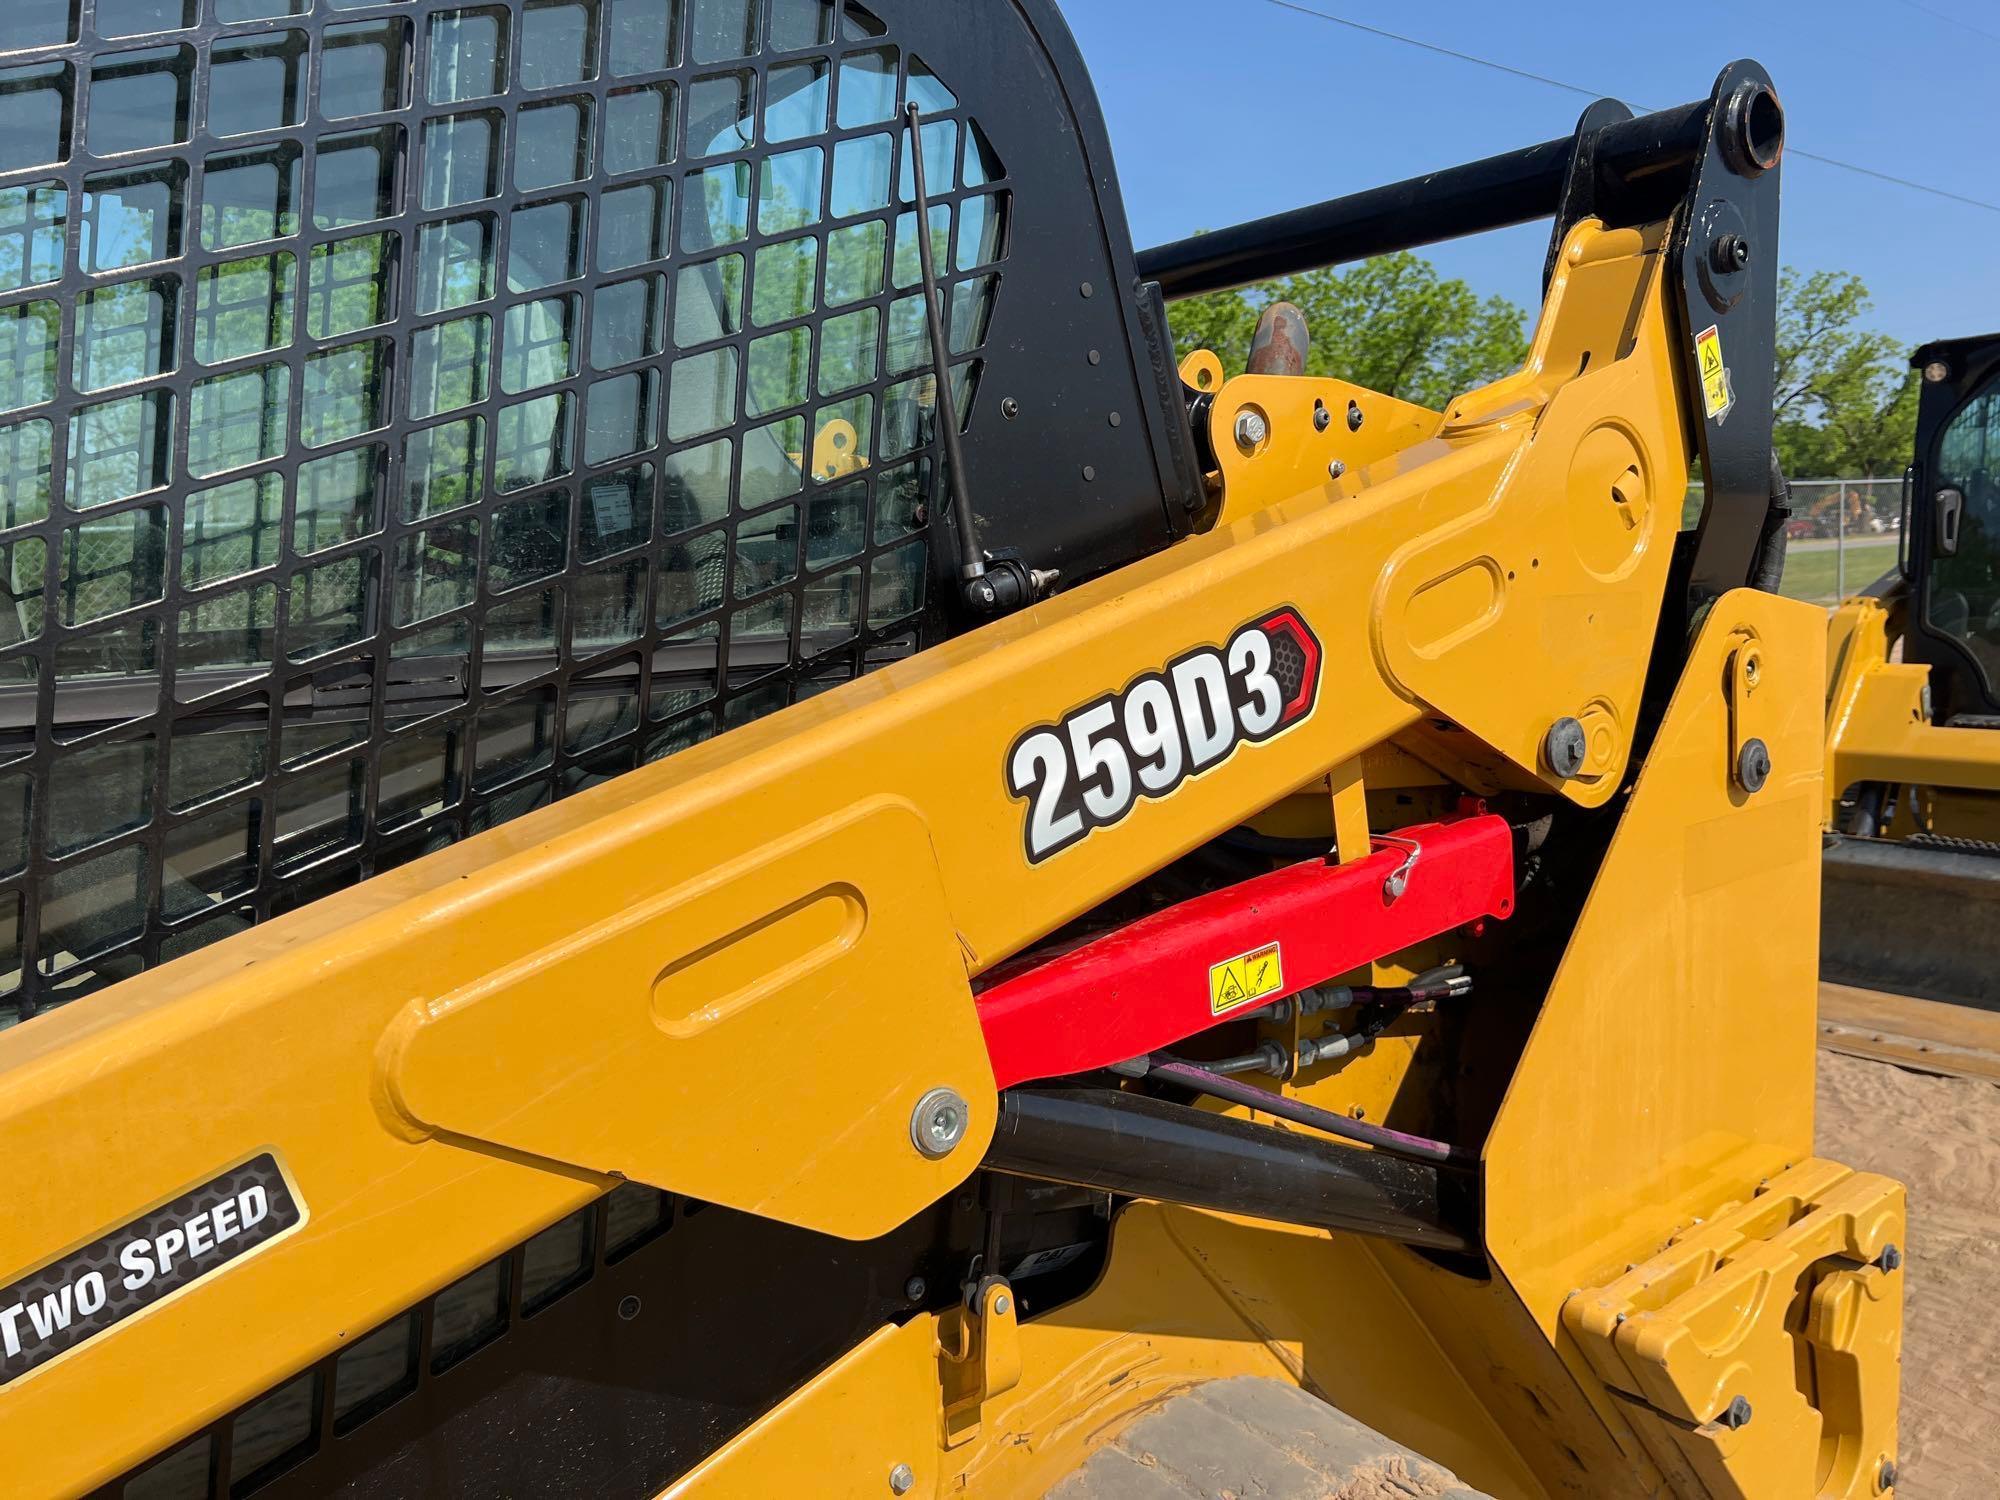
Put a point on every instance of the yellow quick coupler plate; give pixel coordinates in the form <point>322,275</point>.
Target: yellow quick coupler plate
<point>1760,1350</point>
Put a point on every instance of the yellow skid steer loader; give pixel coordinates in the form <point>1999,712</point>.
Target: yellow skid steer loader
<point>684,822</point>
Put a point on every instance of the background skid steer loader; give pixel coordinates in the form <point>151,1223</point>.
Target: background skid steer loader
<point>1912,704</point>
<point>1285,900</point>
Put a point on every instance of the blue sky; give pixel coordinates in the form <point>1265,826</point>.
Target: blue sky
<point>1222,110</point>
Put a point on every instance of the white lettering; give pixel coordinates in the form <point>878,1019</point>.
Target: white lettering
<point>201,1238</point>
<point>51,1315</point>
<point>138,1264</point>
<point>255,1205</point>
<point>166,1247</point>
<point>225,1221</point>
<point>1250,663</point>
<point>8,1335</point>
<point>90,1293</point>
<point>1201,688</point>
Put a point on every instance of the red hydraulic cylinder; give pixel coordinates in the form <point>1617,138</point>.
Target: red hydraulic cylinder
<point>1191,966</point>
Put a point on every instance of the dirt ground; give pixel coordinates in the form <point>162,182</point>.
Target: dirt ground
<point>1942,1137</point>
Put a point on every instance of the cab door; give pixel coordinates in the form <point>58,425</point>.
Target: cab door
<point>1954,526</point>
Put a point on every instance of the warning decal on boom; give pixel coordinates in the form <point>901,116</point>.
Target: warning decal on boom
<point>1249,976</point>
<point>50,1311</point>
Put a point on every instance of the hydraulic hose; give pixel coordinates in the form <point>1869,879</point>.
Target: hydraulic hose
<point>1769,571</point>
<point>1395,1142</point>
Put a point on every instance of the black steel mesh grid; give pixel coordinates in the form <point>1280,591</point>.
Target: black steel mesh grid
<point>413,412</point>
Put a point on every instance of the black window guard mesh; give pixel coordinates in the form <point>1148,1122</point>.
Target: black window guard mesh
<point>413,412</point>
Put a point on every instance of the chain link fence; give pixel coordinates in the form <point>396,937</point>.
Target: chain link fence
<point>1844,534</point>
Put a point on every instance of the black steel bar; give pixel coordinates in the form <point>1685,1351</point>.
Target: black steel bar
<point>1514,187</point>
<point>1147,1148</point>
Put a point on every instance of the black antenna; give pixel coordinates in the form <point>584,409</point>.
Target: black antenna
<point>989,586</point>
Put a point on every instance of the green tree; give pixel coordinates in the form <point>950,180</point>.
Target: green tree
<point>1845,400</point>
<point>1392,324</point>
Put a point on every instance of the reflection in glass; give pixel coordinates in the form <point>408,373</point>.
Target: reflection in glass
<point>257,82</point>
<point>860,175</point>
<point>639,128</point>
<point>461,159</point>
<point>249,195</point>
<point>722,115</point>
<point>353,284</point>
<point>454,264</point>
<point>33,220</point>
<point>441,467</point>
<point>537,344</point>
<point>120,448</point>
<point>34,115</point>
<point>338,499</point>
<point>346,393</point>
<point>644,35</point>
<point>30,335</point>
<point>632,224</point>
<point>558,43</point>
<point>545,247</point>
<point>627,321</point>
<point>551,144</point>
<point>140,100</point>
<point>702,394</point>
<point>531,442</point>
<point>448,365</point>
<point>468,55</point>
<point>244,307</point>
<point>361,68</point>
<point>238,419</point>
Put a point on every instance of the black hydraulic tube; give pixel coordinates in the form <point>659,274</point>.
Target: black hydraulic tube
<point>1511,188</point>
<point>1147,1148</point>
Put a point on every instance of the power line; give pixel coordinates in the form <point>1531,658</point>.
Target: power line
<point>1572,88</point>
<point>1410,41</point>
<point>1953,21</point>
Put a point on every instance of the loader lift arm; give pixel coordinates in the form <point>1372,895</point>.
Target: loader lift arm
<point>437,1064</point>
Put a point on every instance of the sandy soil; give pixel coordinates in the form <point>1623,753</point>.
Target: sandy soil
<point>1942,1137</point>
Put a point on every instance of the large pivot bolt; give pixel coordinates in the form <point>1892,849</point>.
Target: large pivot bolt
<point>1736,1414</point>
<point>1252,428</point>
<point>1729,253</point>
<point>1753,766</point>
<point>1885,1480</point>
<point>938,1123</point>
<point>1564,746</point>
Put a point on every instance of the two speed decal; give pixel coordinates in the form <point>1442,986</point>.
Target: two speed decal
<point>142,1262</point>
<point>1090,768</point>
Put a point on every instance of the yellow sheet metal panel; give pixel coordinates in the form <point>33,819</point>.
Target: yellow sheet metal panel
<point>1565,565</point>
<point>1269,432</point>
<point>866,1425</point>
<point>1886,735</point>
<point>1671,1066</point>
<point>821,969</point>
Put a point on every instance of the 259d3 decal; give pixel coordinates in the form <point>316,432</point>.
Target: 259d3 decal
<point>1090,767</point>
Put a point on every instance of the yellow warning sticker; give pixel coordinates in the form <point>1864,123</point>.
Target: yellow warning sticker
<point>1717,396</point>
<point>1246,977</point>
